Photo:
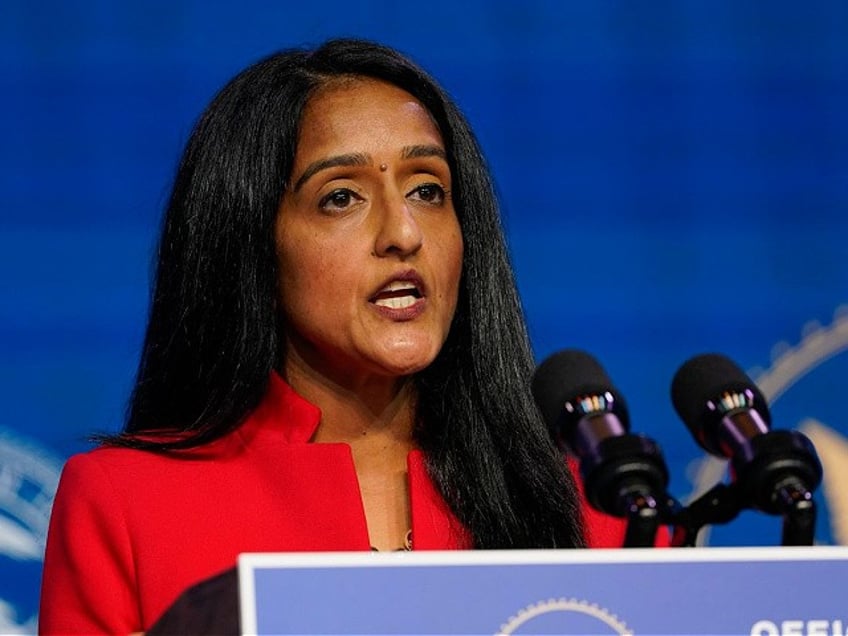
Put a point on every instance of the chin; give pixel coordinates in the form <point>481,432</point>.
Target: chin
<point>400,363</point>
<point>400,369</point>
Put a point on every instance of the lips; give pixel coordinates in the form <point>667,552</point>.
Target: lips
<point>400,292</point>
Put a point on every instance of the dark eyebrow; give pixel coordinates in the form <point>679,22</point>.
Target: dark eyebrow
<point>363,159</point>
<point>352,159</point>
<point>413,152</point>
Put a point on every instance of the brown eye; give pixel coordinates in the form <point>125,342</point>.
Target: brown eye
<point>429,193</point>
<point>339,199</point>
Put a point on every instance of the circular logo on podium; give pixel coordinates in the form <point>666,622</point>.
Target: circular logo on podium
<point>564,616</point>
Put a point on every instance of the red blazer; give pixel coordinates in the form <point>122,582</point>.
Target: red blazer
<point>131,529</point>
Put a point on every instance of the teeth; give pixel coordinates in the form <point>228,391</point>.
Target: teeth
<point>401,302</point>
<point>397,285</point>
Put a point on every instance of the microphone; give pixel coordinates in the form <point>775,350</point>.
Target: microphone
<point>624,474</point>
<point>775,471</point>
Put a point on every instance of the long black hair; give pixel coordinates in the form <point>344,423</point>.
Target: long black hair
<point>213,336</point>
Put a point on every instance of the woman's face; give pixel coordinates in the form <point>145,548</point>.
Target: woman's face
<point>368,243</point>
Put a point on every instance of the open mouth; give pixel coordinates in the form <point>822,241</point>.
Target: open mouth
<point>397,295</point>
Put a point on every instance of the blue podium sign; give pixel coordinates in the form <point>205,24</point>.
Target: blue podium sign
<point>756,591</point>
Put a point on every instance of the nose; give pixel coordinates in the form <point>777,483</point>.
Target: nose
<point>399,233</point>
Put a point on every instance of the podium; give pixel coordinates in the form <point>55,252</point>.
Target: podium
<point>757,591</point>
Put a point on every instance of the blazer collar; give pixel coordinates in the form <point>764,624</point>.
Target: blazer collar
<point>285,413</point>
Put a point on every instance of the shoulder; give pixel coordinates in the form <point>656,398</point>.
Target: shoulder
<point>112,465</point>
<point>124,463</point>
<point>113,479</point>
<point>102,479</point>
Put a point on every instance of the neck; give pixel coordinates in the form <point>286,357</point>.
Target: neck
<point>353,407</point>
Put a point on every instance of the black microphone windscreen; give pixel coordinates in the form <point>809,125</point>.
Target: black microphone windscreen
<point>563,377</point>
<point>704,378</point>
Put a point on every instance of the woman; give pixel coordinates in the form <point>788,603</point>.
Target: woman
<point>335,359</point>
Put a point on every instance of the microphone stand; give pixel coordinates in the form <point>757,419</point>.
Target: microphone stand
<point>643,521</point>
<point>645,514</point>
<point>722,503</point>
<point>626,476</point>
<point>778,471</point>
<point>799,515</point>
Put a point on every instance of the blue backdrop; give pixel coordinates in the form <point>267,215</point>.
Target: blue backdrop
<point>674,179</point>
